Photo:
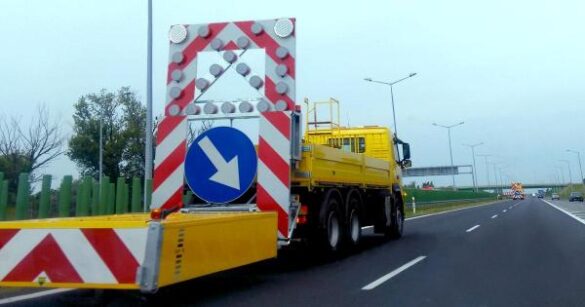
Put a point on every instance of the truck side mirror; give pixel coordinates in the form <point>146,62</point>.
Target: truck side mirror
<point>406,163</point>
<point>406,151</point>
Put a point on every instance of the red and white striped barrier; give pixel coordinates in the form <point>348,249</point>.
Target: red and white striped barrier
<point>95,256</point>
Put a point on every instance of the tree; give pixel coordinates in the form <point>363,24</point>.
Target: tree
<point>123,118</point>
<point>194,131</point>
<point>28,150</point>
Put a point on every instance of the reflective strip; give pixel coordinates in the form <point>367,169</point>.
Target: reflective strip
<point>82,256</point>
<point>135,241</point>
<point>16,249</point>
<point>168,187</point>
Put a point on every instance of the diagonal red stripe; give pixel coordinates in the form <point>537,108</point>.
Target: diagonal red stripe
<point>169,165</point>
<point>267,203</point>
<point>280,121</point>
<point>273,161</point>
<point>198,44</point>
<point>272,95</point>
<point>265,41</point>
<point>166,126</point>
<point>231,46</point>
<point>186,97</point>
<point>46,257</point>
<point>6,235</point>
<point>175,200</point>
<point>114,253</point>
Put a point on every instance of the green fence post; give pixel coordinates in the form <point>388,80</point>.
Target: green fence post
<point>111,198</point>
<point>125,198</point>
<point>104,195</point>
<point>84,196</point>
<point>65,196</point>
<point>45,203</point>
<point>95,199</point>
<point>148,192</point>
<point>3,199</point>
<point>22,196</point>
<point>136,195</point>
<point>187,198</point>
<point>120,196</point>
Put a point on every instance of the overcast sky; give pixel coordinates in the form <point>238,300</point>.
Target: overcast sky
<point>514,71</point>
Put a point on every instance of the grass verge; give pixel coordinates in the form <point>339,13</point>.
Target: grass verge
<point>446,207</point>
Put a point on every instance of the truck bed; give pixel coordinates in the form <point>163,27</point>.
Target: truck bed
<point>324,165</point>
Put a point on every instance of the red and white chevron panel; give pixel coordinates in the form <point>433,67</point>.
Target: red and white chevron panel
<point>275,36</point>
<point>97,256</point>
<point>273,186</point>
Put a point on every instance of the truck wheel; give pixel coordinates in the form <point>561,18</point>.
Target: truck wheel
<point>330,230</point>
<point>397,222</point>
<point>353,225</point>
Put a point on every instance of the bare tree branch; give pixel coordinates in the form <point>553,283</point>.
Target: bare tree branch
<point>34,147</point>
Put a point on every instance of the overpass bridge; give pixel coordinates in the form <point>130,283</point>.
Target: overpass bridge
<point>525,185</point>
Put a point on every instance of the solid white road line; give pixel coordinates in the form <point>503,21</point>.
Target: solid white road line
<point>494,216</point>
<point>19,298</point>
<point>472,228</point>
<point>578,219</point>
<point>399,270</point>
<point>448,211</point>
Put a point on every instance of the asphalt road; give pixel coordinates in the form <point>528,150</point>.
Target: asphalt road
<point>530,254</point>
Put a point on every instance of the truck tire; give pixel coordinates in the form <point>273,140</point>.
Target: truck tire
<point>329,236</point>
<point>353,221</point>
<point>396,221</point>
<point>394,229</point>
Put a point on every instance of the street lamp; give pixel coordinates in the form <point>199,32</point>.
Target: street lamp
<point>148,164</point>
<point>487,169</point>
<point>450,147</point>
<point>392,94</point>
<point>472,146</point>
<point>580,166</point>
<point>562,171</point>
<point>569,168</point>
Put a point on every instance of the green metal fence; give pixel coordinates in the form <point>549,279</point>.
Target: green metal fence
<point>83,197</point>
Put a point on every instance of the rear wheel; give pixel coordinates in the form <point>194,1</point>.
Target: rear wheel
<point>329,234</point>
<point>353,225</point>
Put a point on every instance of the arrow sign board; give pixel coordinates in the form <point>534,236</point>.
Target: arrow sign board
<point>221,165</point>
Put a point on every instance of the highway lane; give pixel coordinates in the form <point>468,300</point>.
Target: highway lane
<point>512,253</point>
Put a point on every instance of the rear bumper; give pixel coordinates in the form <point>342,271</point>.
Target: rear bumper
<point>130,251</point>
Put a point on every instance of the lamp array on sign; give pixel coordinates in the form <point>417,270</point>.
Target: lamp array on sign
<point>178,34</point>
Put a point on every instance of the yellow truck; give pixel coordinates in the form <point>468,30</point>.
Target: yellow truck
<point>252,195</point>
<point>517,191</point>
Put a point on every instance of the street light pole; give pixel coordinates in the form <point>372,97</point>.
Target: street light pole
<point>472,146</point>
<point>580,166</point>
<point>560,169</point>
<point>487,169</point>
<point>569,168</point>
<point>391,84</point>
<point>148,129</point>
<point>450,147</point>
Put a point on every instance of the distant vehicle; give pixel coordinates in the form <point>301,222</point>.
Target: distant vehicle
<point>517,190</point>
<point>555,196</point>
<point>576,196</point>
<point>540,194</point>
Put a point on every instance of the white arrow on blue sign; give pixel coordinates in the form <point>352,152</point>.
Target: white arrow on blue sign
<point>221,165</point>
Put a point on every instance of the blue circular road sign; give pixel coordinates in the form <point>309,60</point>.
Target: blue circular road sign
<point>221,165</point>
